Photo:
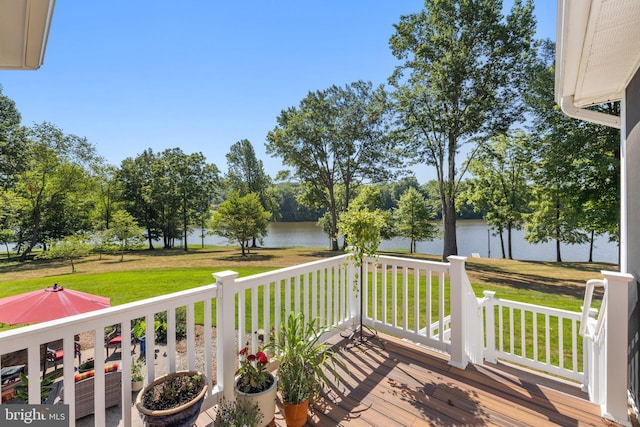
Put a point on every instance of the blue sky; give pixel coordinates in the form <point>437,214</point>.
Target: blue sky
<point>202,75</point>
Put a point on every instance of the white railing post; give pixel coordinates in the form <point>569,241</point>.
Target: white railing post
<point>614,406</point>
<point>490,326</point>
<point>225,325</point>
<point>458,334</point>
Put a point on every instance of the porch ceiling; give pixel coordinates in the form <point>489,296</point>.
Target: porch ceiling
<point>24,30</point>
<point>597,51</point>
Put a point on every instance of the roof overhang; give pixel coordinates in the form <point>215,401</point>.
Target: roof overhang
<point>24,30</point>
<point>597,54</point>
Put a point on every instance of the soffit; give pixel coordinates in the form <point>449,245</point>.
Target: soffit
<point>598,49</point>
<point>24,30</point>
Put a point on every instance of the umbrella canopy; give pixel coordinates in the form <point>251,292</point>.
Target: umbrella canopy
<point>51,303</point>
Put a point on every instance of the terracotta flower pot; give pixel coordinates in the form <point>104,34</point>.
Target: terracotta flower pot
<point>266,401</point>
<point>296,414</point>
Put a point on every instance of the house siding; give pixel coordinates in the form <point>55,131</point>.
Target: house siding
<point>630,262</point>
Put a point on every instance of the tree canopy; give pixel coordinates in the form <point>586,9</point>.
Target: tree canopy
<point>460,82</point>
<point>335,137</point>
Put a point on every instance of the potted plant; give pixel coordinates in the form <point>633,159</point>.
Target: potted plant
<point>255,385</point>
<point>303,359</point>
<point>172,399</point>
<point>237,414</point>
<point>137,377</point>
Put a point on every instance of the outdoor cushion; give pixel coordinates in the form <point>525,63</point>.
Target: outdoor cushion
<point>84,375</point>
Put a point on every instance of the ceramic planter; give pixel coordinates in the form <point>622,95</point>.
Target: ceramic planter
<point>295,414</point>
<point>183,415</point>
<point>137,385</point>
<point>266,401</point>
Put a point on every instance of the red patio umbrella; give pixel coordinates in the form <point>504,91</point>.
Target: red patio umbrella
<point>54,302</point>
<point>51,303</point>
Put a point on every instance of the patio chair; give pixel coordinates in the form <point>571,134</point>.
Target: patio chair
<point>55,355</point>
<point>114,340</point>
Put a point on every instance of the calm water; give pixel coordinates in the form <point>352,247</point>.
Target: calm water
<point>472,237</point>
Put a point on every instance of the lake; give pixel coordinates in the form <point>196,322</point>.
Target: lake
<point>472,238</point>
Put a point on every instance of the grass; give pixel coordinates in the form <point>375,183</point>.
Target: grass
<point>144,274</point>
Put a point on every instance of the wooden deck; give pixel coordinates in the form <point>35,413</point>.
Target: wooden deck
<point>406,385</point>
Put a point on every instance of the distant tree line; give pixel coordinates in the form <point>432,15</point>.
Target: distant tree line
<point>471,98</point>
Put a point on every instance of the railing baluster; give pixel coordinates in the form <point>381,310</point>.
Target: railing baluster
<point>416,300</point>
<point>394,295</point>
<point>405,298</point>
<point>191,339</point>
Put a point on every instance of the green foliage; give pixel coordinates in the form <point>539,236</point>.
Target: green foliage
<point>501,186</point>
<point>576,176</point>
<point>237,414</point>
<point>303,359</point>
<point>136,369</point>
<point>335,138</point>
<point>245,174</point>
<point>253,375</point>
<point>362,228</point>
<point>22,391</point>
<point>412,218</point>
<point>460,82</point>
<point>240,219</point>
<point>70,248</point>
<point>125,231</point>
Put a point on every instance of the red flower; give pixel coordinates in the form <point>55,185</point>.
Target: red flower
<point>243,351</point>
<point>262,358</point>
<point>251,357</point>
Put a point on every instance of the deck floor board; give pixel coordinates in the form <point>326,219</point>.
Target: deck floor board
<point>408,385</point>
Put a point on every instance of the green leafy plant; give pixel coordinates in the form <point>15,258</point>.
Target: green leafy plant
<point>136,370</point>
<point>22,391</point>
<point>303,359</point>
<point>361,228</point>
<point>253,375</point>
<point>173,391</point>
<point>234,414</point>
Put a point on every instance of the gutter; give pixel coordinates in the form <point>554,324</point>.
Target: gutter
<point>569,108</point>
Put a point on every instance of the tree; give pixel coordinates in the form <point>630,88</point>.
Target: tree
<point>576,162</point>
<point>12,142</point>
<point>500,187</point>
<point>193,182</point>
<point>125,231</point>
<point>53,186</point>
<point>336,137</point>
<point>245,174</point>
<point>240,219</point>
<point>465,77</point>
<point>70,248</point>
<point>412,218</point>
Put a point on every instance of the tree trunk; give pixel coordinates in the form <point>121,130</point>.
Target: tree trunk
<point>509,241</point>
<point>558,257</point>
<point>591,246</point>
<point>150,238</point>
<point>450,241</point>
<point>504,254</point>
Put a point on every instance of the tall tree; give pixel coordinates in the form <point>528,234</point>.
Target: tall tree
<point>136,176</point>
<point>245,174</point>
<point>412,218</point>
<point>193,181</point>
<point>336,137</point>
<point>500,187</point>
<point>54,184</point>
<point>12,142</point>
<point>460,83</point>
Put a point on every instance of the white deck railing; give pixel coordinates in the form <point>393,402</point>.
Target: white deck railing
<point>430,303</point>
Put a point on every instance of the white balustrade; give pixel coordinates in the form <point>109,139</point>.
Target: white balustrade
<point>427,302</point>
